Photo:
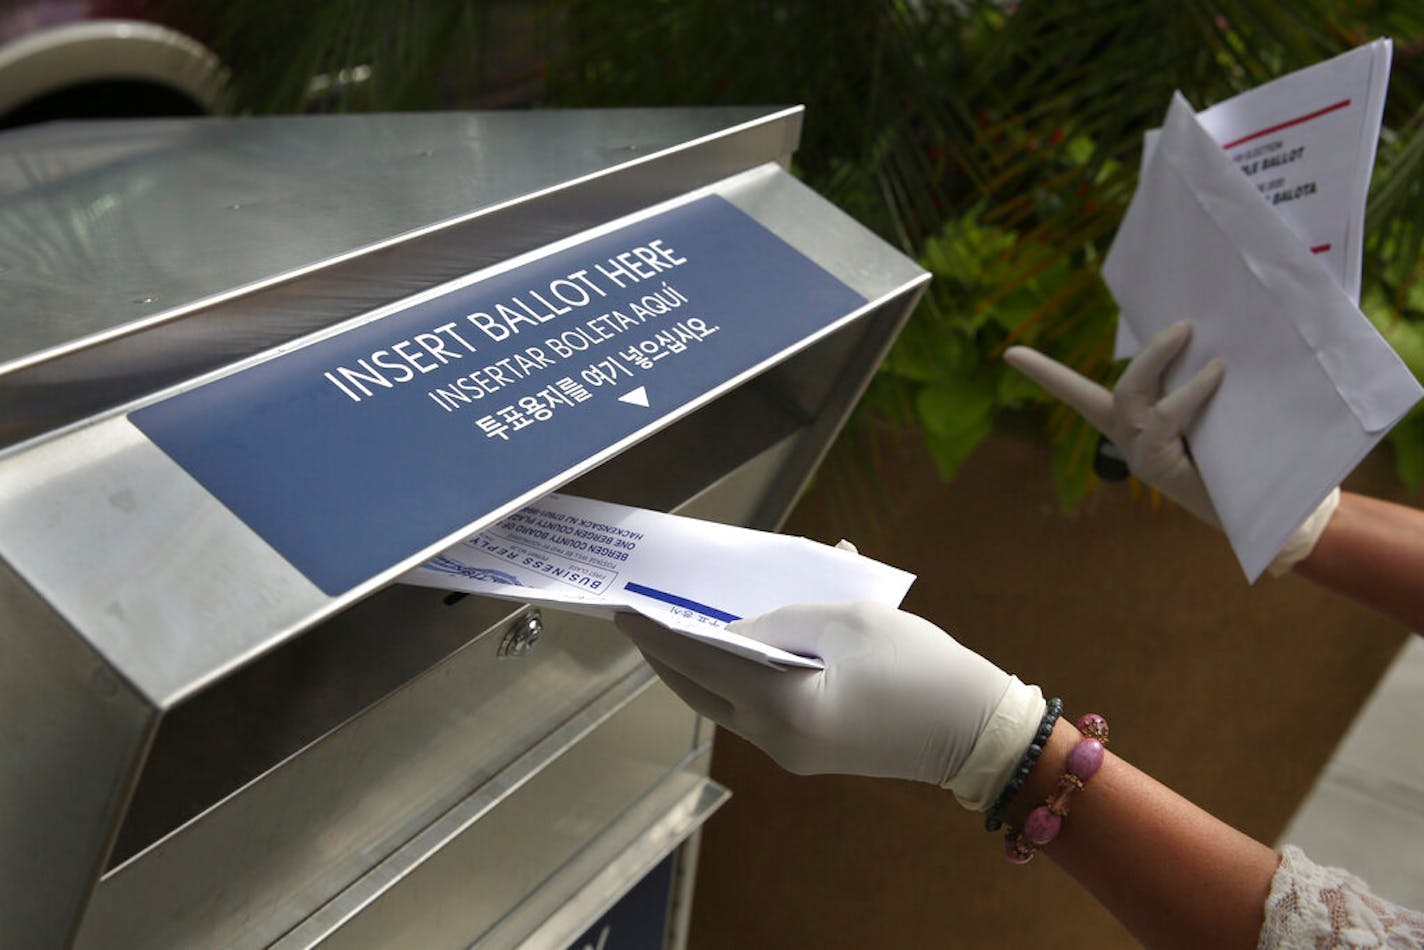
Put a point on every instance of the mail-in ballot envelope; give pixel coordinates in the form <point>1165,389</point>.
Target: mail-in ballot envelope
<point>693,576</point>
<point>1310,386</point>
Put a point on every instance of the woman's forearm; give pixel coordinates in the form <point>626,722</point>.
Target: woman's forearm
<point>1170,872</point>
<point>1372,551</point>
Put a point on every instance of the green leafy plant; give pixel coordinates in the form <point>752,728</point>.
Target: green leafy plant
<point>999,144</point>
<point>1112,69</point>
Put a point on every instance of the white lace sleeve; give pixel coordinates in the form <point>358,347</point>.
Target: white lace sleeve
<point>1315,907</point>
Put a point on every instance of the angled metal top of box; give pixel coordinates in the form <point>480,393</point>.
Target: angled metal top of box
<point>178,558</point>
<point>142,252</point>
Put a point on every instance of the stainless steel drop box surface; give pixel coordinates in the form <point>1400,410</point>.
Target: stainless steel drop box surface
<point>222,724</point>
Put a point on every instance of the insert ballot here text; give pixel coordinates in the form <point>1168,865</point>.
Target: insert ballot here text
<point>547,330</point>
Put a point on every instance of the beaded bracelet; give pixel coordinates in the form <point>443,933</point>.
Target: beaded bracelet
<point>994,818</point>
<point>1045,821</point>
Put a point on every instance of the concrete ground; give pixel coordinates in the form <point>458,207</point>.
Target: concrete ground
<point>1366,811</point>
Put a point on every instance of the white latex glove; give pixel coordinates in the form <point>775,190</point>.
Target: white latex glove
<point>1146,426</point>
<point>898,697</point>
<point>1138,417</point>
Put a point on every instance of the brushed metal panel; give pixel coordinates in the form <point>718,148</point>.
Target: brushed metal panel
<point>165,583</point>
<point>71,737</point>
<point>460,890</point>
<point>260,861</point>
<point>612,864</point>
<point>221,238</point>
<point>846,248</point>
<point>248,723</point>
<point>210,206</point>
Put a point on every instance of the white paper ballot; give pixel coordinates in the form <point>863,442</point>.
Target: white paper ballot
<point>1310,386</point>
<point>1306,141</point>
<point>690,575</point>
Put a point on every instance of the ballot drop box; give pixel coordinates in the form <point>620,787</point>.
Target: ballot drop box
<point>252,370</point>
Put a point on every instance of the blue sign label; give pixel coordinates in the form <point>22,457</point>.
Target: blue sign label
<point>360,450</point>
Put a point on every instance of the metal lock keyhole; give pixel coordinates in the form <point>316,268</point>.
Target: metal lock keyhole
<point>521,636</point>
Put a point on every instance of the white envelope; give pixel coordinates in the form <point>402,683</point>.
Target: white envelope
<point>1310,134</point>
<point>689,575</point>
<point>1310,385</point>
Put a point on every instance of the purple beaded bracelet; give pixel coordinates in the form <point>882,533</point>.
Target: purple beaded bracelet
<point>1044,822</point>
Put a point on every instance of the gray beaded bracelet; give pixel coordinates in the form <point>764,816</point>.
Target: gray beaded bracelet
<point>994,818</point>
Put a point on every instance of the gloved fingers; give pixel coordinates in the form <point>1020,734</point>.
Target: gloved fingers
<point>703,701</point>
<point>1092,401</point>
<point>828,630</point>
<point>736,679</point>
<point>1142,380</point>
<point>1178,407</point>
<point>797,628</point>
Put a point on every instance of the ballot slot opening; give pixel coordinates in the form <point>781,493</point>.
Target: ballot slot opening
<point>228,735</point>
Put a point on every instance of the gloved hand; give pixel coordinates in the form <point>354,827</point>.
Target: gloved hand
<point>1143,422</point>
<point>898,697</point>
<point>1146,426</point>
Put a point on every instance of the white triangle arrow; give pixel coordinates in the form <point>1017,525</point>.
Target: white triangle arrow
<point>636,397</point>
